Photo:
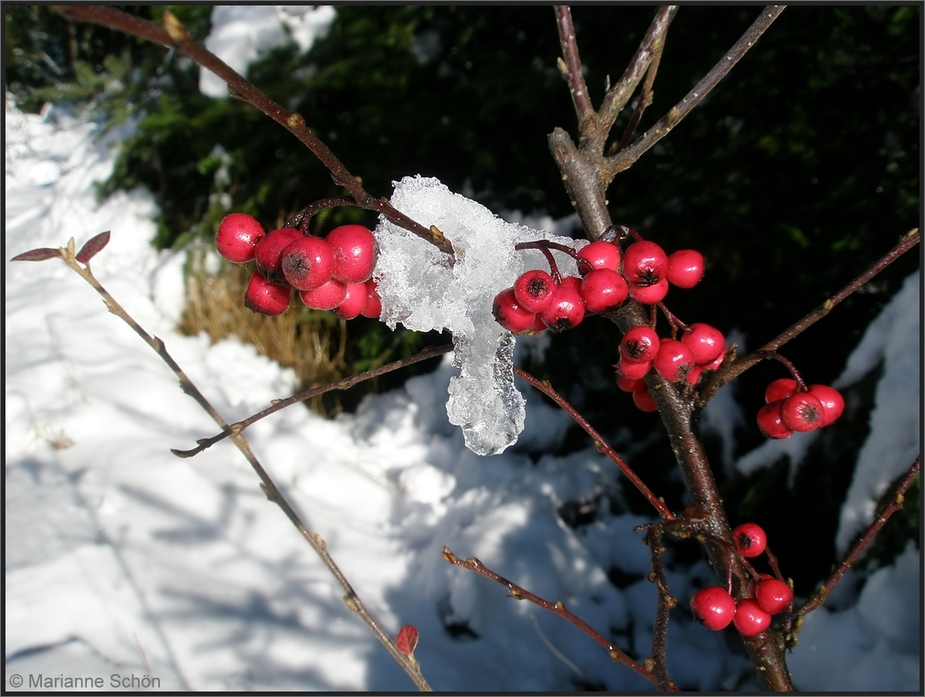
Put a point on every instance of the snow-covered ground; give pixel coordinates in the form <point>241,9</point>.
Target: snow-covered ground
<point>124,562</point>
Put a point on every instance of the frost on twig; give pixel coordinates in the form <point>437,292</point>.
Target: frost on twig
<point>425,289</point>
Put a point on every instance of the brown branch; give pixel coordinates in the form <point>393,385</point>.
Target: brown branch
<point>557,608</point>
<point>599,442</point>
<point>571,67</point>
<point>343,384</point>
<point>269,488</point>
<point>656,662</point>
<point>644,62</point>
<point>895,504</point>
<point>732,369</point>
<point>174,36</point>
<point>625,158</point>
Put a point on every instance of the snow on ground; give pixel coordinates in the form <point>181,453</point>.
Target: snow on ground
<point>122,560</point>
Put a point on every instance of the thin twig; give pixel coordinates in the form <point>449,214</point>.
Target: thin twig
<point>174,36</point>
<point>656,662</point>
<point>732,369</point>
<point>557,608</point>
<point>272,492</point>
<point>599,442</point>
<point>343,384</point>
<point>895,504</point>
<point>625,158</point>
<point>571,67</point>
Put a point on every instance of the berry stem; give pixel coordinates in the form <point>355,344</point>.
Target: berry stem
<point>801,386</point>
<point>676,324</point>
<point>544,246</point>
<point>301,220</point>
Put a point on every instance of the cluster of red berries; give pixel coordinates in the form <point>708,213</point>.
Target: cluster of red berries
<point>701,347</point>
<point>539,300</point>
<point>789,408</point>
<point>333,273</point>
<point>715,608</point>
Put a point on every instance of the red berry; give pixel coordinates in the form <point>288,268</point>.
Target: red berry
<point>632,370</point>
<point>269,253</point>
<point>704,341</point>
<point>833,404</point>
<point>673,360</point>
<point>713,607</point>
<point>602,289</point>
<point>749,539</point>
<point>353,303</point>
<point>327,296</point>
<point>266,297</point>
<point>770,423</point>
<point>629,384</point>
<point>355,252</point>
<point>534,290</point>
<point>643,400</point>
<point>773,595</point>
<point>694,375</point>
<point>750,619</point>
<point>600,255</point>
<point>649,295</point>
<point>639,344</point>
<point>571,282</point>
<point>566,310</point>
<point>780,389</point>
<point>752,585</point>
<point>685,268</point>
<point>644,264</point>
<point>373,306</point>
<point>308,263</point>
<point>510,314</point>
<point>717,362</point>
<point>538,326</point>
<point>237,237</point>
<point>802,411</point>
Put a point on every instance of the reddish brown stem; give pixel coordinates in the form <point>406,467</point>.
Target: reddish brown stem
<point>572,72</point>
<point>174,36</point>
<point>557,608</point>
<point>599,442</point>
<point>895,504</point>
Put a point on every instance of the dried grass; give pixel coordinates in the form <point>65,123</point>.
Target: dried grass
<point>312,344</point>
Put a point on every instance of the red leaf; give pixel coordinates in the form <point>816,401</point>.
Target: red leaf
<point>93,247</point>
<point>407,639</point>
<point>40,254</point>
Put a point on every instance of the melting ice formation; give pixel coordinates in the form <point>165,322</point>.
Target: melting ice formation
<point>423,290</point>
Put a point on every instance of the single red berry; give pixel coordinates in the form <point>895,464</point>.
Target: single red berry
<point>534,290</point>
<point>750,619</point>
<point>373,306</point>
<point>510,314</point>
<point>773,595</point>
<point>802,411</point>
<point>354,301</point>
<point>237,237</point>
<point>673,360</point>
<point>770,422</point>
<point>566,310</point>
<point>602,289</point>
<point>644,264</point>
<point>685,268</point>
<point>704,341</point>
<point>632,370</point>
<point>571,282</point>
<point>600,255</point>
<point>269,253</point>
<point>779,389</point>
<point>629,384</point>
<point>639,344</point>
<point>355,251</point>
<point>327,296</point>
<point>407,639</point>
<point>308,263</point>
<point>266,297</point>
<point>713,607</point>
<point>749,539</point>
<point>643,400</point>
<point>717,362</point>
<point>752,584</point>
<point>649,295</point>
<point>833,404</point>
<point>694,375</point>
<point>538,327</point>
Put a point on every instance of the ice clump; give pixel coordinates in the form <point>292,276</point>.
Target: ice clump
<point>424,289</point>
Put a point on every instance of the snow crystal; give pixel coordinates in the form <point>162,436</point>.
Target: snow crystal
<point>425,289</point>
